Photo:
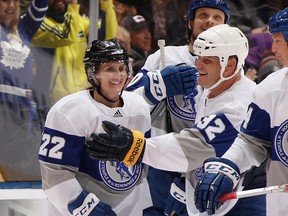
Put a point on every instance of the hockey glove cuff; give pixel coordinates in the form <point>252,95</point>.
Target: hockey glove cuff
<point>88,204</point>
<point>176,201</point>
<point>171,81</point>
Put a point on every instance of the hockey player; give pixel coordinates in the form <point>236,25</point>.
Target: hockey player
<point>220,109</point>
<point>72,181</point>
<point>174,113</point>
<point>263,135</point>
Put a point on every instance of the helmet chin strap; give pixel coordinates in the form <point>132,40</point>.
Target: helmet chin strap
<point>222,78</point>
<point>98,89</point>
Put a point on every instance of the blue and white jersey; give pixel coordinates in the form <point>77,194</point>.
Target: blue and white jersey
<point>181,108</point>
<point>67,168</point>
<point>265,131</point>
<point>15,53</point>
<point>217,124</point>
<point>18,125</point>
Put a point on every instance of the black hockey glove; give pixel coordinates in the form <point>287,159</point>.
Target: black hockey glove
<point>118,144</point>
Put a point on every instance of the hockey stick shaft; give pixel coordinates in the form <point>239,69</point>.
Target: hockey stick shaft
<point>254,192</point>
<point>161,44</point>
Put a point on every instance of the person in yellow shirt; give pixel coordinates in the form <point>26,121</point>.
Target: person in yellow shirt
<point>65,33</point>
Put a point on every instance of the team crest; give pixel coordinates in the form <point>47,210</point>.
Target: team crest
<point>183,106</point>
<point>281,143</point>
<point>14,54</point>
<point>118,176</point>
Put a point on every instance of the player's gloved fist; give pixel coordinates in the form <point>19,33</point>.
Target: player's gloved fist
<point>180,79</point>
<point>118,144</point>
<point>220,177</point>
<point>88,204</point>
<point>171,81</point>
<point>176,201</point>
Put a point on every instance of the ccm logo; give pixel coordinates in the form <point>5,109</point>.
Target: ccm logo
<point>87,206</point>
<point>222,168</point>
<point>157,86</point>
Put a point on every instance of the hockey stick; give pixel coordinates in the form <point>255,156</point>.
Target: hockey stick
<point>161,44</point>
<point>254,192</point>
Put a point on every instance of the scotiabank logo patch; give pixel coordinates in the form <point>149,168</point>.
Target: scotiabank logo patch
<point>118,176</point>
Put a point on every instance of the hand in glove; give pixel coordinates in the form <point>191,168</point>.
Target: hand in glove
<point>118,144</point>
<point>171,81</point>
<point>89,204</point>
<point>176,202</point>
<point>220,177</point>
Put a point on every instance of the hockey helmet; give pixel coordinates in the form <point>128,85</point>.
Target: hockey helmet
<point>217,4</point>
<point>222,41</point>
<point>279,23</point>
<point>101,51</point>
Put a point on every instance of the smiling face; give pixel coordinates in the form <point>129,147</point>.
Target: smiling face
<point>204,19</point>
<point>209,70</point>
<point>9,12</point>
<point>112,77</point>
<point>210,73</point>
<point>280,48</point>
<point>141,39</point>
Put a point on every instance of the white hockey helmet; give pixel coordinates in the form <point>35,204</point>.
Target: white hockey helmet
<point>222,41</point>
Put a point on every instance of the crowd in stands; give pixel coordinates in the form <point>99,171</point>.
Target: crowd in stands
<point>145,22</point>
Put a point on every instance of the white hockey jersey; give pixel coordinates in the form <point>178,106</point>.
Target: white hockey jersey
<point>217,125</point>
<point>265,131</point>
<point>67,168</point>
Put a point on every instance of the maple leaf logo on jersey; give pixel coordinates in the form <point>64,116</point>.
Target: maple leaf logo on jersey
<point>14,54</point>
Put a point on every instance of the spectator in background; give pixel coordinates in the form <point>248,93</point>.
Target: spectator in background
<point>140,39</point>
<point>165,17</point>
<point>19,134</point>
<point>244,15</point>
<point>268,65</point>
<point>107,21</point>
<point>109,24</point>
<point>123,36</point>
<point>64,35</point>
<point>259,43</point>
<point>123,9</point>
<point>60,45</point>
<point>169,22</point>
